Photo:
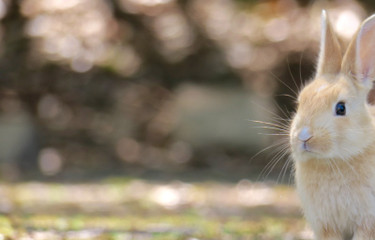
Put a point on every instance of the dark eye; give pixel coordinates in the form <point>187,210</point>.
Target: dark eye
<point>340,109</point>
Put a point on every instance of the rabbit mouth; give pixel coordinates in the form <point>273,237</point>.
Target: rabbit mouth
<point>305,147</point>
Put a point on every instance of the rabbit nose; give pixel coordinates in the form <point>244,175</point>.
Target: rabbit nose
<point>304,135</point>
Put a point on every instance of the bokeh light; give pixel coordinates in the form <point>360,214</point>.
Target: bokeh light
<point>115,112</point>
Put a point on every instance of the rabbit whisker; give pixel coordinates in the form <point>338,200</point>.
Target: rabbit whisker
<point>286,85</point>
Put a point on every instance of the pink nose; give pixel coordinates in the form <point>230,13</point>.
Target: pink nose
<point>304,135</point>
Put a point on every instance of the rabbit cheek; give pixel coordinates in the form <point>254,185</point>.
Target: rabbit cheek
<point>341,134</point>
<point>322,142</point>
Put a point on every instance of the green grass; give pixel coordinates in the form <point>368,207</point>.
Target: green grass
<point>133,209</point>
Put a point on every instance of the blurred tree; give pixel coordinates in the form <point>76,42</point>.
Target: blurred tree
<point>101,78</point>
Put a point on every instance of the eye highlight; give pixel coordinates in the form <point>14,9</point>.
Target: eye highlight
<point>340,109</point>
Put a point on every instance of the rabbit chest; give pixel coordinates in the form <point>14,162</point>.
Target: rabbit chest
<point>336,195</point>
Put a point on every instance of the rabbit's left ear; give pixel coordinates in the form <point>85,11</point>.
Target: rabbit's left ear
<point>330,57</point>
<point>359,60</point>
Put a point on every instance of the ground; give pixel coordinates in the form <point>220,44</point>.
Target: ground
<point>123,208</point>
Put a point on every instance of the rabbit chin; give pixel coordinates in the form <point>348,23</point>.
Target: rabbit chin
<point>303,154</point>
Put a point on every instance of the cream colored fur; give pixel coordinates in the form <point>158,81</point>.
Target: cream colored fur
<point>335,169</point>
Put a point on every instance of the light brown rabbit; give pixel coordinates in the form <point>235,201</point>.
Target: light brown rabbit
<point>332,138</point>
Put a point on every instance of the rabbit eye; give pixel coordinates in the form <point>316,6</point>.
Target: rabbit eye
<point>340,109</point>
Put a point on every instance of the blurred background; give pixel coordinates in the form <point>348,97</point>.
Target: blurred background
<point>146,111</point>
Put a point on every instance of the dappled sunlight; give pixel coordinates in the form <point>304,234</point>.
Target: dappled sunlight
<point>163,84</point>
<point>55,210</point>
<point>171,196</point>
<point>168,24</point>
<point>254,195</point>
<point>79,32</point>
<point>258,39</point>
<point>36,196</point>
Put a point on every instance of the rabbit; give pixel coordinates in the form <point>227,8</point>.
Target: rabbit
<point>332,138</point>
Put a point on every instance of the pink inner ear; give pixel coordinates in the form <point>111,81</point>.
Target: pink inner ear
<point>365,67</point>
<point>366,75</point>
<point>365,72</point>
<point>365,51</point>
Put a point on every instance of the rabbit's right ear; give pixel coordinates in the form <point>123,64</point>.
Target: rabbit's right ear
<point>330,57</point>
<point>359,60</point>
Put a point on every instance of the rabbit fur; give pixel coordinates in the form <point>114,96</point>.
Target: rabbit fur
<point>332,138</point>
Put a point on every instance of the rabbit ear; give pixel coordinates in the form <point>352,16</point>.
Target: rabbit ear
<point>329,61</point>
<point>360,56</point>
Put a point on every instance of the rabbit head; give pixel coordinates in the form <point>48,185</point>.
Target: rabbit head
<point>333,119</point>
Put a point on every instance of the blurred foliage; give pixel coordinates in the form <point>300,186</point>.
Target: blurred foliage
<point>108,84</point>
<point>139,209</point>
